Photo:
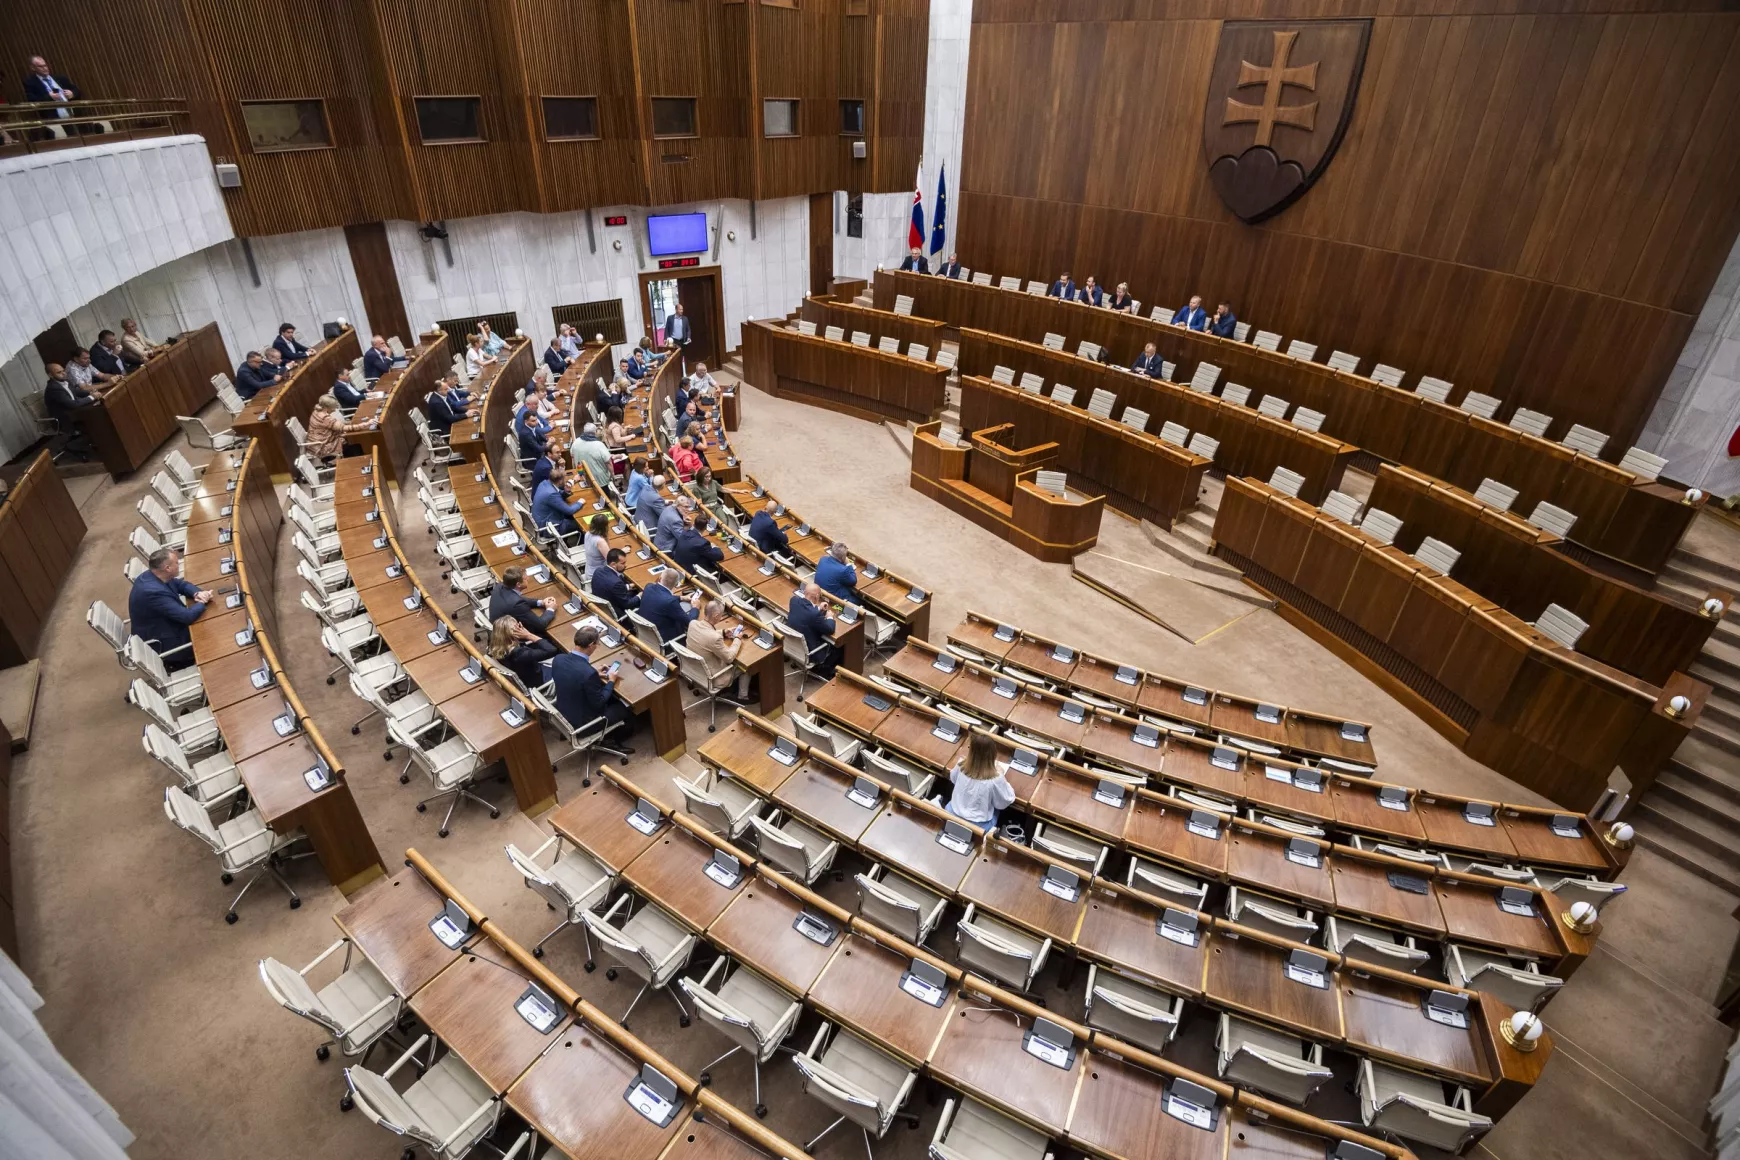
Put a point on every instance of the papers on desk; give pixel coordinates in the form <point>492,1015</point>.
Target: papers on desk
<point>503,539</point>
<point>925,983</point>
<point>653,1096</point>
<point>538,1008</point>
<point>1050,1043</point>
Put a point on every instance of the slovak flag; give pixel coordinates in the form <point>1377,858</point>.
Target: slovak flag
<point>915,232</point>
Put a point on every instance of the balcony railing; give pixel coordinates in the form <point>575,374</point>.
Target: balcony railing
<point>38,127</point>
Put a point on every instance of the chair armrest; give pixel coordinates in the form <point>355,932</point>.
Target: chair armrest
<point>245,839</point>
<point>466,1123</point>
<point>322,956</point>
<point>367,1015</point>
<point>214,777</point>
<point>410,1052</point>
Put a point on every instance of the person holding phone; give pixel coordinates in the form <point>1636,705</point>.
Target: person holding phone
<point>583,694</point>
<point>718,646</point>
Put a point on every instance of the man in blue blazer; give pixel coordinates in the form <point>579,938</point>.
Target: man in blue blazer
<point>162,605</point>
<point>1150,363</point>
<point>805,614</point>
<point>767,534</point>
<point>667,611</point>
<point>1062,288</point>
<point>549,507</point>
<point>672,519</point>
<point>286,345</point>
<point>447,405</point>
<point>583,694</point>
<point>1224,323</point>
<point>1193,316</point>
<point>609,583</point>
<point>835,574</point>
<point>553,357</point>
<point>693,550</point>
<point>377,359</point>
<point>530,430</point>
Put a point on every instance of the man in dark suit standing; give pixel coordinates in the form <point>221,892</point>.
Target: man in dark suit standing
<point>1149,363</point>
<point>915,262</point>
<point>1224,323</point>
<point>804,614</point>
<point>377,359</point>
<point>583,694</point>
<point>951,268</point>
<point>1062,288</point>
<point>553,357</point>
<point>677,327</point>
<point>286,345</point>
<point>661,605</point>
<point>506,599</point>
<point>608,583</point>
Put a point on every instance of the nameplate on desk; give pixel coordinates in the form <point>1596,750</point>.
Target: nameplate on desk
<point>784,751</point>
<point>1307,967</point>
<point>538,1008</point>
<point>1305,852</point>
<point>439,636</point>
<point>1515,900</point>
<point>452,926</point>
<point>1061,883</point>
<point>502,522</point>
<point>1204,824</point>
<point>1478,814</point>
<point>1565,826</point>
<point>234,600</point>
<point>1223,758</point>
<point>653,1096</point>
<point>245,637</point>
<point>1050,1043</point>
<point>803,529</point>
<point>1393,797</point>
<point>1072,711</point>
<point>1195,696</point>
<point>227,565</point>
<point>225,535</point>
<point>1447,1007</point>
<point>645,816</point>
<point>598,506</point>
<point>815,927</point>
<point>918,596</point>
<point>609,638</point>
<point>925,983</point>
<point>317,777</point>
<point>515,715</point>
<point>1110,793</point>
<point>379,542</point>
<point>864,792</point>
<point>871,571</point>
<point>947,728</point>
<point>1268,714</point>
<point>261,677</point>
<point>1351,731</point>
<point>735,544</point>
<point>284,724</point>
<point>945,662</point>
<point>472,672</point>
<point>489,499</point>
<point>1180,926</point>
<point>724,869</point>
<point>956,837</point>
<point>1024,761</point>
<point>1192,1104</point>
<point>880,704</point>
<point>1003,687</point>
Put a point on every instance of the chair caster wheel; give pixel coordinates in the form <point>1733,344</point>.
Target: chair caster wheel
<point>226,879</point>
<point>706,1079</point>
<point>440,833</point>
<point>355,730</point>
<point>408,1154</point>
<point>422,807</point>
<point>710,728</point>
<point>295,904</point>
<point>912,1122</point>
<point>552,767</point>
<point>610,974</point>
<point>761,1111</point>
<point>387,756</point>
<point>591,966</point>
<point>345,1103</point>
<point>537,952</point>
<point>682,1021</point>
<point>322,1053</point>
<point>585,783</point>
<point>495,813</point>
<point>230,918</point>
<point>332,680</point>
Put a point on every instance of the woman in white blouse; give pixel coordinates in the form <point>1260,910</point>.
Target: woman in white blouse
<point>476,358</point>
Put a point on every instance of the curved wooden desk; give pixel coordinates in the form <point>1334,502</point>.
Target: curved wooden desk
<point>858,380</point>
<point>136,415</point>
<point>40,532</point>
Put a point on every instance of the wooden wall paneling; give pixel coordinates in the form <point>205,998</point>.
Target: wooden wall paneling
<point>1497,215</point>
<point>688,49</point>
<point>378,279</point>
<point>901,52</point>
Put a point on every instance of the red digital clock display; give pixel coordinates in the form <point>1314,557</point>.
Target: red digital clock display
<point>677,263</point>
<point>618,220</point>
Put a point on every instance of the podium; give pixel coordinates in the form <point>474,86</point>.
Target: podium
<point>995,483</point>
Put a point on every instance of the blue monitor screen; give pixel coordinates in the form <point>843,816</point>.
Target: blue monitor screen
<point>677,233</point>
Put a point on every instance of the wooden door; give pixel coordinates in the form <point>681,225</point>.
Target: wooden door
<point>699,296</point>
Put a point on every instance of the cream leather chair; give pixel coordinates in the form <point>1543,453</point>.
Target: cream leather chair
<point>1591,890</point>
<point>196,730</point>
<point>1001,952</point>
<point>969,1130</point>
<point>183,688</point>
<point>451,764</point>
<point>721,804</point>
<point>899,905</point>
<point>1133,1011</point>
<point>243,842</point>
<point>1363,942</point>
<point>860,1081</point>
<point>1517,983</point>
<point>1270,915</point>
<point>898,772</point>
<point>1417,1107</point>
<point>793,847</point>
<point>818,734</point>
<point>748,1010</point>
<point>1274,1062</point>
<point>573,883</point>
<point>648,943</point>
<point>448,1111</point>
<point>1163,882</point>
<point>358,1008</point>
<point>1083,853</point>
<point>206,779</point>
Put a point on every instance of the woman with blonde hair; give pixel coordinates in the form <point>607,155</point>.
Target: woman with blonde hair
<point>327,429</point>
<point>515,646</point>
<point>981,788</point>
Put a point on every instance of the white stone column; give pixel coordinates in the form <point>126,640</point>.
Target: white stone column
<point>1700,405</point>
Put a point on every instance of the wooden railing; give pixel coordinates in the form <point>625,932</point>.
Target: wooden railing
<point>39,126</point>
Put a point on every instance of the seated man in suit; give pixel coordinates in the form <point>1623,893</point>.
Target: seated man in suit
<point>693,550</point>
<point>554,358</point>
<point>915,262</point>
<point>806,614</point>
<point>550,458</point>
<point>583,695</point>
<point>667,611</point>
<point>254,376</point>
<point>530,430</point>
<point>718,647</point>
<point>633,367</point>
<point>106,355</point>
<point>835,574</point>
<point>1090,292</point>
<point>63,399</point>
<point>650,507</point>
<point>612,394</point>
<point>609,583</point>
<point>162,605</point>
<point>550,508</point>
<point>507,599</point>
<point>689,421</point>
<point>1063,288</point>
<point>1149,363</point>
<point>1193,316</point>
<point>447,406</point>
<point>673,519</point>
<point>42,84</point>
<point>951,268</point>
<point>767,534</point>
<point>346,393</point>
<point>1224,323</point>
<point>286,345</point>
<point>377,359</point>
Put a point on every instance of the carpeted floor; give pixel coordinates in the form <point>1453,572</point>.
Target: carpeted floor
<point>159,1004</point>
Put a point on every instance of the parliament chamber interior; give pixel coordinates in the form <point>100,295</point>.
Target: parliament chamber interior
<point>723,579</point>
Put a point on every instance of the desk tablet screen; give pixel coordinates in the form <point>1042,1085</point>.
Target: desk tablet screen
<point>1050,1043</point>
<point>724,869</point>
<point>947,729</point>
<point>1305,852</point>
<point>653,1096</point>
<point>1025,761</point>
<point>1178,925</point>
<point>645,817</point>
<point>1515,900</point>
<point>1061,883</point>
<point>1109,793</point>
<point>955,837</point>
<point>925,983</point>
<point>784,751</point>
<point>880,704</point>
<point>1393,797</point>
<point>1309,968</point>
<point>1195,696</point>
<point>537,1008</point>
<point>1409,882</point>
<point>261,677</point>
<point>944,662</point>
<point>1478,814</point>
<point>816,928</point>
<point>452,926</point>
<point>863,792</point>
<point>1192,1103</point>
<point>1204,824</point>
<point>1004,633</point>
<point>1352,732</point>
<point>1565,826</point>
<point>1223,758</point>
<point>1447,1007</point>
<point>1073,712</point>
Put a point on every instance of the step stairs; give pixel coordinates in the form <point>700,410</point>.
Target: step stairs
<point>1691,816</point>
<point>1188,541</point>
